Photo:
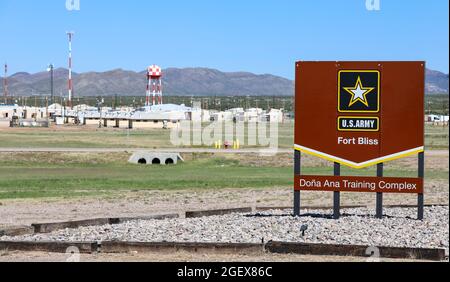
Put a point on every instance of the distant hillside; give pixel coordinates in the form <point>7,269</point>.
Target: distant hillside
<point>437,82</point>
<point>179,82</point>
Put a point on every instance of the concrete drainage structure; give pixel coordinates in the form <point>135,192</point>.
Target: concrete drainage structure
<point>153,158</point>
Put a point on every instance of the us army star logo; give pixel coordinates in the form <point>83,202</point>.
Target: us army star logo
<point>359,93</point>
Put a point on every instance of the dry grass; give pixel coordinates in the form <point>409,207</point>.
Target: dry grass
<point>63,158</point>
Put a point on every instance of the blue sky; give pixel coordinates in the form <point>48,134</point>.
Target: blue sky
<point>261,36</point>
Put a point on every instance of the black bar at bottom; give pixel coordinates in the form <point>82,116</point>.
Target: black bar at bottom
<point>337,195</point>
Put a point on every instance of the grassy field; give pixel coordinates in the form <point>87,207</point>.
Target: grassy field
<point>39,175</point>
<point>42,175</point>
<point>92,137</point>
<point>437,137</point>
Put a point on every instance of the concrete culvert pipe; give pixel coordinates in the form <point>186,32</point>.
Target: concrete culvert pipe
<point>155,158</point>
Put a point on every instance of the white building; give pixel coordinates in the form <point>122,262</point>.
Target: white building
<point>275,116</point>
<point>253,115</point>
<point>7,111</point>
<point>222,116</point>
<point>437,118</point>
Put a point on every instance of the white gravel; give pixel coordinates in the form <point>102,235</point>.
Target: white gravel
<point>398,229</point>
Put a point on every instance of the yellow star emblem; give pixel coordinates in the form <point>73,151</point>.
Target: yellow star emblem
<point>359,93</point>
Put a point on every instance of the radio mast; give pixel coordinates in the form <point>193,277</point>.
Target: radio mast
<point>70,35</point>
<point>5,84</point>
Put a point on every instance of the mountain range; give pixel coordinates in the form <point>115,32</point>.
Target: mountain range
<point>176,82</point>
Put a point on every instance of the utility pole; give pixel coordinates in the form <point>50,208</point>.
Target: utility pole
<point>46,107</point>
<point>444,112</point>
<point>50,69</point>
<point>70,35</point>
<point>100,102</point>
<point>5,84</point>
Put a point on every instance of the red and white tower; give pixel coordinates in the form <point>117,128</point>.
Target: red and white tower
<point>70,83</point>
<point>154,85</point>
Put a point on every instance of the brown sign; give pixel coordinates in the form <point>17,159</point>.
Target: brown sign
<point>359,184</point>
<point>360,113</point>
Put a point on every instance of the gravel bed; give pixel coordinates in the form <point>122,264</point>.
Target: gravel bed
<point>357,227</point>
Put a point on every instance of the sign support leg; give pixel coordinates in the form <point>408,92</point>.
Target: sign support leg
<point>379,204</point>
<point>420,197</point>
<point>337,195</point>
<point>297,171</point>
<point>296,203</point>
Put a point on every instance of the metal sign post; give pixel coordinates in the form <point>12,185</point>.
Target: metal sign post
<point>337,194</point>
<point>420,197</point>
<point>297,171</point>
<point>379,203</point>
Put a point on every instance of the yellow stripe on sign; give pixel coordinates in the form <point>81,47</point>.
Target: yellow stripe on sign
<point>351,164</point>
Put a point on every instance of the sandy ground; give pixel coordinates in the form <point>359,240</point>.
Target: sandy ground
<point>142,203</point>
<point>178,257</point>
<point>435,159</point>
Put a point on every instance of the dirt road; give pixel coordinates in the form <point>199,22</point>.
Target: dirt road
<point>142,203</point>
<point>128,150</point>
<point>180,256</point>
